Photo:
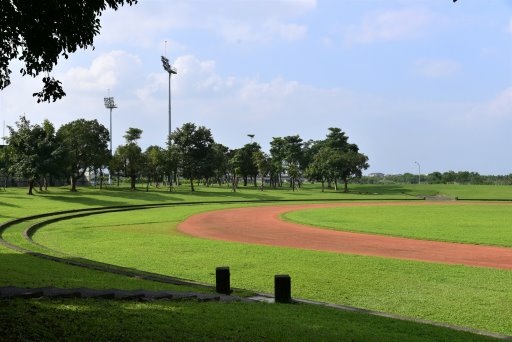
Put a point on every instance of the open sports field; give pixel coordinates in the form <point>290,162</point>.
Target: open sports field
<point>464,222</point>
<point>148,240</point>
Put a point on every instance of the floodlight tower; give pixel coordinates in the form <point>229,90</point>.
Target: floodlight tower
<point>110,104</point>
<point>419,172</point>
<point>170,70</point>
<point>250,136</point>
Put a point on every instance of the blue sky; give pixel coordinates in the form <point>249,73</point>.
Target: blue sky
<point>407,80</point>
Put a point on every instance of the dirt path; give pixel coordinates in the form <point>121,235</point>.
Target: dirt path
<point>262,225</point>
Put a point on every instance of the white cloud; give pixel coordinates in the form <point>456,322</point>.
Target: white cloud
<point>389,25</point>
<point>501,105</point>
<point>494,110</point>
<point>235,21</point>
<point>289,32</point>
<point>436,68</point>
<point>247,32</point>
<point>104,72</point>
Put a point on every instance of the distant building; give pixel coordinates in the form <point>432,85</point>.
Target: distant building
<point>376,175</point>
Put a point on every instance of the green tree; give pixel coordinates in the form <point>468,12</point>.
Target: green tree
<point>234,165</point>
<point>4,165</point>
<point>171,163</point>
<point>217,163</point>
<point>319,169</point>
<point>51,154</point>
<point>39,32</point>
<point>154,158</point>
<point>293,158</point>
<point>352,164</point>
<point>247,167</point>
<point>116,165</point>
<point>86,147</point>
<point>277,153</point>
<point>193,145</point>
<point>336,159</point>
<point>130,156</point>
<point>31,150</point>
<point>262,162</point>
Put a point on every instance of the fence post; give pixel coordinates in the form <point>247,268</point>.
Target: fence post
<point>282,288</point>
<point>222,280</point>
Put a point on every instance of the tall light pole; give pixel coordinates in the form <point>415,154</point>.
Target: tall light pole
<point>250,136</point>
<point>419,172</point>
<point>110,104</point>
<point>170,70</point>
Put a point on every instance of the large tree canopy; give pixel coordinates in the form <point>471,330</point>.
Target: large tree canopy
<point>86,144</point>
<point>33,150</point>
<point>39,32</point>
<point>193,145</point>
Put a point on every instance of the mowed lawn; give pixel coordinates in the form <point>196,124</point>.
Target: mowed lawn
<point>148,240</point>
<point>474,223</point>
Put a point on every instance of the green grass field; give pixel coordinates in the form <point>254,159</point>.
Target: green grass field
<point>374,283</point>
<point>147,240</point>
<point>474,223</point>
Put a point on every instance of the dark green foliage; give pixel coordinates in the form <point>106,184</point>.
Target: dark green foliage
<point>39,32</point>
<point>128,158</point>
<point>248,167</point>
<point>193,145</point>
<point>34,151</point>
<point>86,147</point>
<point>336,159</point>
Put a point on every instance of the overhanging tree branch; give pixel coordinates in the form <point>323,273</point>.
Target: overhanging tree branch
<point>38,33</point>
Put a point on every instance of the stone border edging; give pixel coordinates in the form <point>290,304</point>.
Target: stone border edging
<point>12,292</point>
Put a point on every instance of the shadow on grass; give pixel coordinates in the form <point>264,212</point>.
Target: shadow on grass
<point>188,320</point>
<point>105,198</point>
<point>4,204</point>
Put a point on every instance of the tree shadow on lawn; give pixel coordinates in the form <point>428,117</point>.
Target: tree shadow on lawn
<point>108,198</point>
<point>374,189</point>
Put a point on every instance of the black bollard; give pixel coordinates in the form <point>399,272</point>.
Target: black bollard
<point>222,280</point>
<point>283,288</point>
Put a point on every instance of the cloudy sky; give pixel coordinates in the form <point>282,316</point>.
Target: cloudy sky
<point>407,80</point>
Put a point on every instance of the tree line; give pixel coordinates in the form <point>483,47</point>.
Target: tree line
<point>449,177</point>
<point>39,153</point>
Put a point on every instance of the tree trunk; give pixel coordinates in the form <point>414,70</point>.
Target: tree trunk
<point>73,183</point>
<point>245,180</point>
<point>234,182</point>
<point>335,185</point>
<point>346,185</point>
<point>147,184</point>
<point>192,184</point>
<point>323,182</point>
<point>30,187</point>
<point>132,182</point>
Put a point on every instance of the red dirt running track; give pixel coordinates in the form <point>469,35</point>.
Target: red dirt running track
<point>262,225</point>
